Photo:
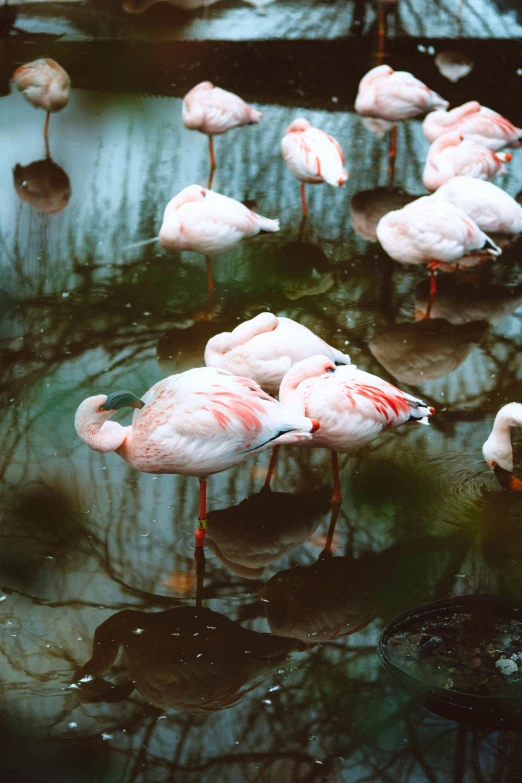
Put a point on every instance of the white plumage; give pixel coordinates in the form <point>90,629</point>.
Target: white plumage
<point>489,206</point>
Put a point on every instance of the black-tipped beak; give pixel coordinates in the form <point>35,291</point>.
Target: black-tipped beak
<point>122,399</point>
<point>507,480</point>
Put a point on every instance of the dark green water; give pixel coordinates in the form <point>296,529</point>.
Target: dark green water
<point>288,685</point>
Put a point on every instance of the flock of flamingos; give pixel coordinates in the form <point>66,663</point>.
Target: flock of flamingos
<point>212,418</point>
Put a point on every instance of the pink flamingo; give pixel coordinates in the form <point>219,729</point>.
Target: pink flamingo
<point>212,111</point>
<point>453,155</point>
<point>45,84</point>
<point>387,97</point>
<point>498,451</point>
<point>475,122</point>
<point>354,406</point>
<point>200,422</point>
<point>209,223</point>
<point>312,156</point>
<point>432,231</point>
<point>490,207</point>
<point>265,348</point>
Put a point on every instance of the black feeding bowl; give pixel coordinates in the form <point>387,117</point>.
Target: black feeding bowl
<point>445,653</point>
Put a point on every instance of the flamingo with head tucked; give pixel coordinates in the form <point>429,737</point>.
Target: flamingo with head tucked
<point>312,156</point>
<point>45,84</point>
<point>265,348</point>
<point>209,223</point>
<point>354,406</point>
<point>489,206</point>
<point>213,111</point>
<point>454,155</point>
<point>498,451</point>
<point>200,422</point>
<point>478,123</point>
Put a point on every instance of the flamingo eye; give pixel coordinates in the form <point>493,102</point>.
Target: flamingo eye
<point>203,193</point>
<point>330,369</point>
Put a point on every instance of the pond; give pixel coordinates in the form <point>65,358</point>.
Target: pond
<point>266,668</point>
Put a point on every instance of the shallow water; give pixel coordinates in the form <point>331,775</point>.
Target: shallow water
<point>287,685</point>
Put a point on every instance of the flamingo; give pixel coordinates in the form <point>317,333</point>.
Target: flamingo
<point>312,156</point>
<point>212,111</point>
<point>386,97</point>
<point>490,207</point>
<point>453,155</point>
<point>45,84</point>
<point>200,422</point>
<point>432,231</point>
<point>453,65</point>
<point>475,122</point>
<point>265,348</point>
<point>498,451</point>
<point>209,223</point>
<point>354,405</point>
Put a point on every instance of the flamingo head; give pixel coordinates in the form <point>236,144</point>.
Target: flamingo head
<point>298,126</point>
<point>499,457</point>
<point>313,367</point>
<point>379,72</point>
<point>120,399</point>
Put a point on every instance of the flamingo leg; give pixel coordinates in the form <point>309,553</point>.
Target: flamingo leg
<point>302,226</point>
<point>46,134</point>
<point>331,530</point>
<point>304,206</point>
<point>202,520</point>
<point>212,161</point>
<point>381,27</point>
<point>271,467</point>
<point>199,556</point>
<point>391,156</point>
<point>336,497</point>
<point>210,279</point>
<point>432,266</point>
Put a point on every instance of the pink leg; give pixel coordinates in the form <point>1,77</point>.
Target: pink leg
<point>303,200</point>
<point>381,26</point>
<point>202,521</point>
<point>432,266</point>
<point>212,161</point>
<point>336,497</point>
<point>391,156</point>
<point>331,529</point>
<point>209,278</point>
<point>271,467</point>
<point>302,226</point>
<point>46,134</point>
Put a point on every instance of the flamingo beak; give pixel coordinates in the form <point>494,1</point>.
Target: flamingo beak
<point>507,480</point>
<point>121,399</point>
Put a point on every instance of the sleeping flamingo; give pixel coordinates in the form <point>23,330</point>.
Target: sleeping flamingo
<point>312,156</point>
<point>265,348</point>
<point>45,84</point>
<point>209,223</point>
<point>432,231</point>
<point>478,123</point>
<point>354,406</point>
<point>212,111</point>
<point>498,451</point>
<point>386,97</point>
<point>489,206</point>
<point>454,155</point>
<point>197,423</point>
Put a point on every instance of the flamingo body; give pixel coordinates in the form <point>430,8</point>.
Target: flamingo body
<point>453,155</point>
<point>312,155</point>
<point>265,348</point>
<point>431,229</point>
<point>209,223</point>
<point>394,95</point>
<point>478,123</point>
<point>211,110</point>
<point>195,424</point>
<point>43,83</point>
<point>498,451</point>
<point>489,206</point>
<point>354,405</point>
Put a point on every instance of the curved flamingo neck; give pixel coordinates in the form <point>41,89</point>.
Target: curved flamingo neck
<point>95,429</point>
<point>508,417</point>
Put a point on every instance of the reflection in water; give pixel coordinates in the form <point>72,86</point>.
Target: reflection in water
<point>192,660</point>
<point>464,302</point>
<point>454,65</point>
<point>43,184</point>
<point>303,269</point>
<point>368,206</point>
<point>263,528</point>
<point>418,352</point>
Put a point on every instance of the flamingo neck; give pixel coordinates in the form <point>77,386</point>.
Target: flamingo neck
<point>95,429</point>
<point>508,417</point>
<point>289,393</point>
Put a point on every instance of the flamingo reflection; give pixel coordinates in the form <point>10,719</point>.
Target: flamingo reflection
<point>367,207</point>
<point>43,184</point>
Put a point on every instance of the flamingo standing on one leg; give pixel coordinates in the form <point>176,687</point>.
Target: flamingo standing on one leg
<point>432,231</point>
<point>212,111</point>
<point>200,422</point>
<point>265,348</point>
<point>209,223</point>
<point>354,406</point>
<point>478,123</point>
<point>45,84</point>
<point>498,451</point>
<point>312,156</point>
<point>386,97</point>
<point>453,155</point>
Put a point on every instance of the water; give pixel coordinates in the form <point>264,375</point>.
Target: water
<point>287,685</point>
